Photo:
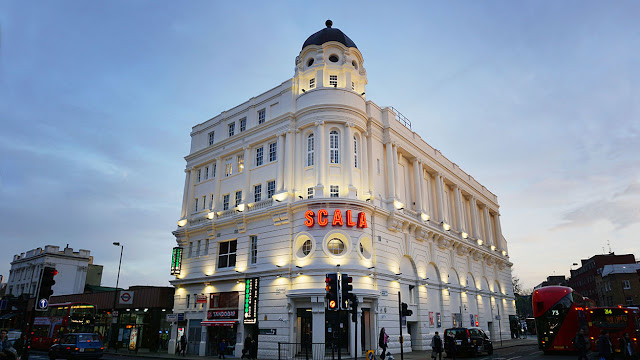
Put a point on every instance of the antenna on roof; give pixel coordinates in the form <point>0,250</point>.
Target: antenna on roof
<point>609,244</point>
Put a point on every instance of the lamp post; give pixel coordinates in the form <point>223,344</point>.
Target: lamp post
<point>114,332</point>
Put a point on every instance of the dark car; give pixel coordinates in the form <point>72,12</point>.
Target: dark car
<point>77,346</point>
<point>471,340</point>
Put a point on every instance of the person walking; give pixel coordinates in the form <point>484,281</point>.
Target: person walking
<point>222,347</point>
<point>247,347</point>
<point>581,344</point>
<point>383,342</point>
<point>605,352</point>
<point>436,347</point>
<point>253,352</point>
<point>183,346</point>
<point>450,341</point>
<point>627,349</point>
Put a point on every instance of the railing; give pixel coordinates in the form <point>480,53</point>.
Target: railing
<point>306,351</point>
<point>226,213</point>
<point>401,118</point>
<point>260,204</point>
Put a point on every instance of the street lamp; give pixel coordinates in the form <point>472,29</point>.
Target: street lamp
<point>114,333</point>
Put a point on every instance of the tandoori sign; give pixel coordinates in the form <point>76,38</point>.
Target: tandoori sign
<point>322,218</point>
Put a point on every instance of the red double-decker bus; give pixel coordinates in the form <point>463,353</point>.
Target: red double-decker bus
<point>617,321</point>
<point>559,313</point>
<point>61,319</point>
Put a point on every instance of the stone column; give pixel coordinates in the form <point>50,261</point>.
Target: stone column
<point>219,175</point>
<point>459,213</point>
<point>299,164</point>
<point>317,313</point>
<point>474,218</point>
<point>247,176</point>
<point>288,165</point>
<point>487,226</point>
<point>364,164</point>
<point>185,195</point>
<point>440,196</point>
<point>320,150</point>
<point>417,170</point>
<point>395,170</point>
<point>391,186</point>
<point>371,165</point>
<point>498,231</point>
<point>192,180</point>
<point>280,157</point>
<point>202,351</point>
<point>348,161</point>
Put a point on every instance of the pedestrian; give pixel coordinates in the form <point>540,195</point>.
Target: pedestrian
<point>436,347</point>
<point>581,344</point>
<point>626,347</point>
<point>451,347</point>
<point>605,352</point>
<point>6,351</point>
<point>222,347</point>
<point>524,330</point>
<point>383,342</point>
<point>183,346</point>
<point>247,347</point>
<point>253,352</point>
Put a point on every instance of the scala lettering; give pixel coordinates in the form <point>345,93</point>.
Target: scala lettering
<point>322,218</point>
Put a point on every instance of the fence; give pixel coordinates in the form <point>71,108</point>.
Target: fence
<point>306,351</point>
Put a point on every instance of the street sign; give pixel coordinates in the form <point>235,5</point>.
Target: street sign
<point>497,317</point>
<point>43,304</point>
<point>180,316</point>
<point>172,318</point>
<point>114,313</point>
<point>384,293</point>
<point>371,355</point>
<point>126,297</point>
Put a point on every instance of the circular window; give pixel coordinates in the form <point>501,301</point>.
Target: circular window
<point>355,64</point>
<point>306,248</point>
<point>310,62</point>
<point>334,58</point>
<point>366,248</point>
<point>335,246</point>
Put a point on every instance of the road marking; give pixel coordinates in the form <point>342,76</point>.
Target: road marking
<point>515,357</point>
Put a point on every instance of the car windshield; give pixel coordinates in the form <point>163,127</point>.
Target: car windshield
<point>85,338</point>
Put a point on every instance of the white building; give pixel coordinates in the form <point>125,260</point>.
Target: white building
<point>263,177</point>
<point>72,270</point>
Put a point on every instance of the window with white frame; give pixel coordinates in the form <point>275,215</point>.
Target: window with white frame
<point>257,192</point>
<point>273,151</point>
<point>271,188</point>
<point>206,173</point>
<point>355,152</point>
<point>228,167</point>
<point>238,197</point>
<point>240,160</point>
<point>195,207</point>
<point>310,149</point>
<point>225,202</point>
<point>333,80</point>
<point>254,248</point>
<point>334,147</point>
<point>212,136</point>
<point>243,124</point>
<point>206,247</point>
<point>198,248</point>
<point>227,254</point>
<point>211,201</point>
<point>312,83</point>
<point>334,191</point>
<point>190,248</point>
<point>199,173</point>
<point>307,246</point>
<point>626,284</point>
<point>262,116</point>
<point>204,202</point>
<point>232,129</point>
<point>310,193</point>
<point>259,156</point>
<point>213,170</point>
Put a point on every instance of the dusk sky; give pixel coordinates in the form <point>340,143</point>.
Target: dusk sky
<point>538,100</point>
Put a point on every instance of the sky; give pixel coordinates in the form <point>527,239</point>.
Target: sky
<point>539,101</point>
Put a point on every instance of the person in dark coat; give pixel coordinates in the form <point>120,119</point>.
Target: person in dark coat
<point>581,344</point>
<point>253,352</point>
<point>603,346</point>
<point>247,347</point>
<point>222,347</point>
<point>627,349</point>
<point>183,346</point>
<point>383,342</point>
<point>451,345</point>
<point>436,347</point>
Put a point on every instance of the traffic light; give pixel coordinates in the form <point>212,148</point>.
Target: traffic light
<point>45,291</point>
<point>345,290</point>
<point>405,310</point>
<point>354,309</point>
<point>331,288</point>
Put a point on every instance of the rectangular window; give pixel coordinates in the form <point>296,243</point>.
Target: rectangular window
<point>310,193</point>
<point>191,249</point>
<point>257,192</point>
<point>238,197</point>
<point>335,191</point>
<point>271,188</point>
<point>195,206</point>
<point>227,254</point>
<point>243,124</point>
<point>333,80</point>
<point>355,152</point>
<point>228,167</point>
<point>206,173</point>
<point>254,249</point>
<point>188,300</point>
<point>262,116</point>
<point>199,175</point>
<point>232,129</point>
<point>213,170</point>
<point>273,150</point>
<point>378,161</point>
<point>206,247</point>
<point>225,202</point>
<point>259,154</point>
<point>204,202</point>
<point>626,284</point>
<point>240,160</point>
<point>198,248</point>
<point>211,201</point>
<point>211,137</point>
<point>312,83</point>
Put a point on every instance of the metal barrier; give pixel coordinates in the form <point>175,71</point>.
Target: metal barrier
<point>306,351</point>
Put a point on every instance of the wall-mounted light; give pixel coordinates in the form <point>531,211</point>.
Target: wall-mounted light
<point>504,253</point>
<point>425,217</point>
<point>299,273</point>
<point>182,222</point>
<point>446,226</point>
<point>278,275</point>
<point>362,94</point>
<point>303,90</point>
<point>280,197</point>
<point>465,235</point>
<point>480,242</point>
<point>300,197</point>
<point>493,248</point>
<point>211,215</point>
<point>397,204</point>
<point>240,207</point>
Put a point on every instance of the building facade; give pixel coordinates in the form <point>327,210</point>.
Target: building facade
<point>311,178</point>
<point>618,285</point>
<point>583,279</point>
<point>72,267</point>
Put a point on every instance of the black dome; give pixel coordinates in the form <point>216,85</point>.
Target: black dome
<point>329,34</point>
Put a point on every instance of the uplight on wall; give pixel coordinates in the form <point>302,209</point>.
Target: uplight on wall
<point>425,217</point>
<point>504,253</point>
<point>465,235</point>
<point>480,242</point>
<point>446,226</point>
<point>280,197</point>
<point>398,204</point>
<point>211,215</point>
<point>493,248</point>
<point>240,207</point>
<point>182,222</point>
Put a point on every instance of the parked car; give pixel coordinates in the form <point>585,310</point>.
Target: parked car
<point>471,340</point>
<point>77,346</point>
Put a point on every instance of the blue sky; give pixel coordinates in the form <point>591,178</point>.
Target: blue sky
<point>539,101</point>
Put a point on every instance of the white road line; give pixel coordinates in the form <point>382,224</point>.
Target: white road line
<point>515,357</point>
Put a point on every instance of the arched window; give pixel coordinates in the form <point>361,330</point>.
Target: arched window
<point>310,149</point>
<point>334,147</point>
<point>355,152</point>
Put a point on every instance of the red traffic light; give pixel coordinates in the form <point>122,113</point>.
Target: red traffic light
<point>332,304</point>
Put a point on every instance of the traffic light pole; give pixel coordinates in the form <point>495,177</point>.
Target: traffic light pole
<point>400,317</point>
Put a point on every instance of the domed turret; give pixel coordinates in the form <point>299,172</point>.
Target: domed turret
<point>329,34</point>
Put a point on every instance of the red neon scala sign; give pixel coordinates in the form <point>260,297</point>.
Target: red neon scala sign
<point>322,218</point>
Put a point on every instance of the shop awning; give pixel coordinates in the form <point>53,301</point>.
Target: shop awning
<point>218,322</point>
<point>7,316</point>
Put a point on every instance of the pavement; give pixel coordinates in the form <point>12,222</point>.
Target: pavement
<point>414,355</point>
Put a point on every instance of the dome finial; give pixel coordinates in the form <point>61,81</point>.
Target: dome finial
<point>328,23</point>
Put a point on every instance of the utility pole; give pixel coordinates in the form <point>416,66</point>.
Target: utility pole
<point>400,318</point>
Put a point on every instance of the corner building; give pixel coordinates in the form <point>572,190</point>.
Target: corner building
<point>275,196</point>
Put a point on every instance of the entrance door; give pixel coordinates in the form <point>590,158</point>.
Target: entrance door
<point>490,328</point>
<point>305,328</point>
<point>365,330</point>
<point>336,336</point>
<point>193,337</point>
